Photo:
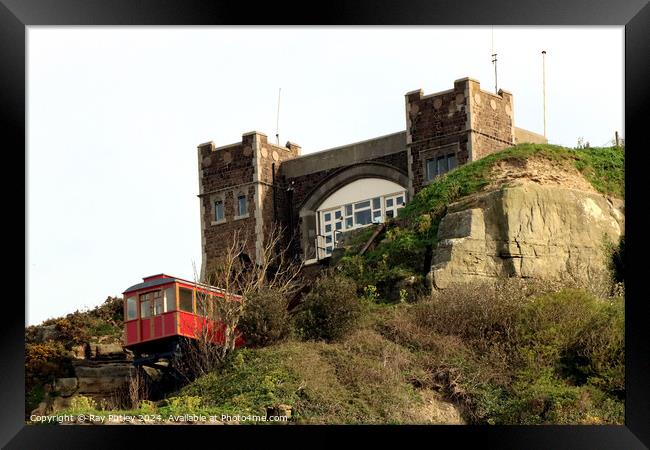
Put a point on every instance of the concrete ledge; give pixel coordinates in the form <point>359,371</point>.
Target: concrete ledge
<point>345,155</point>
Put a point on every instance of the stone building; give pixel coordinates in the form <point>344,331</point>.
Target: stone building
<point>253,184</point>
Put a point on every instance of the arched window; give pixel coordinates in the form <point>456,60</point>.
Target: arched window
<point>355,205</point>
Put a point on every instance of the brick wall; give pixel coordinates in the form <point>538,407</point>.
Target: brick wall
<point>464,120</point>
<point>436,124</point>
<point>246,168</point>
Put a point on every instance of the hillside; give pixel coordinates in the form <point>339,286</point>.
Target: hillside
<point>404,251</point>
<point>371,344</point>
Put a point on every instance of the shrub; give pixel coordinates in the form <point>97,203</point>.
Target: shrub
<point>45,362</point>
<point>370,293</point>
<point>617,264</point>
<point>481,313</point>
<point>516,352</point>
<point>183,404</point>
<point>82,404</point>
<point>330,311</point>
<point>265,320</point>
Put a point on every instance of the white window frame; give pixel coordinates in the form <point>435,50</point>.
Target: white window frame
<point>321,239</point>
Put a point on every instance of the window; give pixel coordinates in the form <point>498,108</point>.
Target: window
<point>131,308</point>
<point>431,169</point>
<point>170,299</point>
<point>213,312</point>
<point>393,204</point>
<point>203,305</point>
<point>452,161</point>
<point>343,218</point>
<point>157,303</point>
<point>441,164</point>
<point>219,211</point>
<point>185,300</point>
<point>145,305</point>
<point>362,217</point>
<point>242,207</point>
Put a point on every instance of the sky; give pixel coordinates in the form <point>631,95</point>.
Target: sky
<point>114,116</point>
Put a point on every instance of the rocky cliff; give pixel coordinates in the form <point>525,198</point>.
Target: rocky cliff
<point>546,231</point>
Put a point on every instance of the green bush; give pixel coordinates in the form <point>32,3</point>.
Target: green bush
<point>82,404</point>
<point>265,320</point>
<point>45,362</point>
<point>330,311</point>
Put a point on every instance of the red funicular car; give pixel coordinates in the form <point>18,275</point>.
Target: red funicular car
<point>163,309</point>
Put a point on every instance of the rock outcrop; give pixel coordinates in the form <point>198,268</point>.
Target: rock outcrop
<point>529,230</point>
<point>101,371</point>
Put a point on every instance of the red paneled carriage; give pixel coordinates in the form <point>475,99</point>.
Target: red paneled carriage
<point>163,309</point>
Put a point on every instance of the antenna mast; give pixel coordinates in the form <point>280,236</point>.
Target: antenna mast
<point>277,122</point>
<point>494,61</point>
<point>544,86</point>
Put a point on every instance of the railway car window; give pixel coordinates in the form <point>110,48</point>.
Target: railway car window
<point>170,299</point>
<point>204,306</point>
<point>157,303</point>
<point>145,305</point>
<point>185,300</point>
<point>131,308</point>
<point>212,311</point>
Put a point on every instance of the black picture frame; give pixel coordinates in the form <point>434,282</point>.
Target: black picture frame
<point>16,15</point>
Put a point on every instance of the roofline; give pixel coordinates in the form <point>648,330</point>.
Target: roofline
<point>348,145</point>
<point>173,279</point>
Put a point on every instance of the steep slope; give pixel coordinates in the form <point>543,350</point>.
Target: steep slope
<point>530,210</point>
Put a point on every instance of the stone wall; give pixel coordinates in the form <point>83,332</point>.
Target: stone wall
<point>224,173</point>
<point>249,168</point>
<point>466,121</point>
<point>436,124</point>
<point>491,119</point>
